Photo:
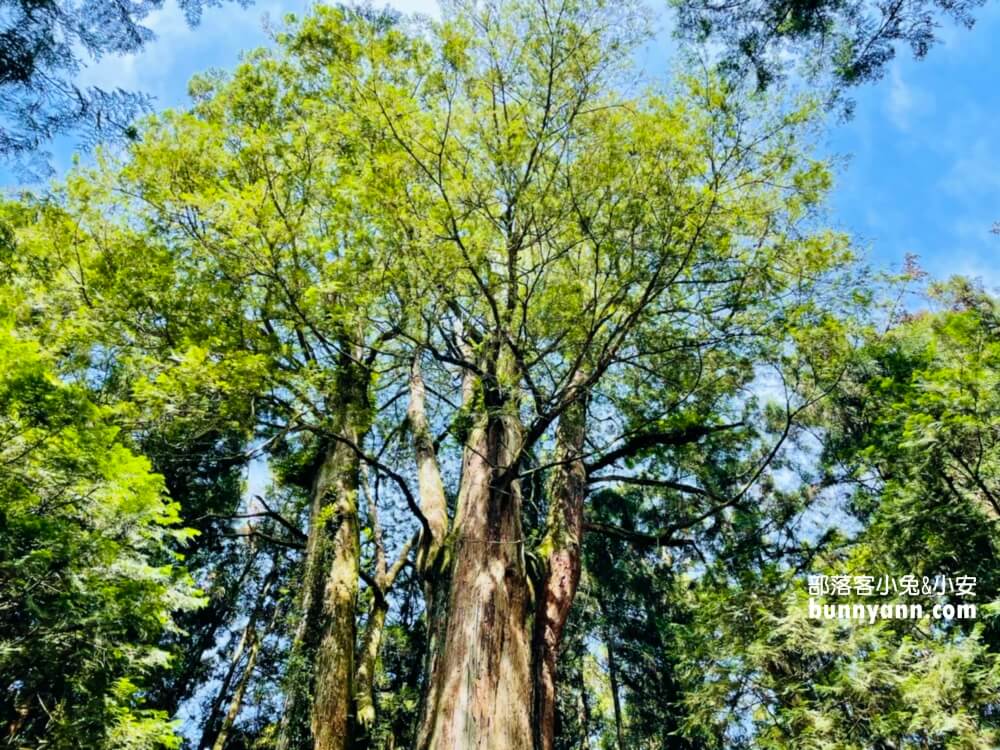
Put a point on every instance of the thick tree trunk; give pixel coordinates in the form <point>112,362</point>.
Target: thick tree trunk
<point>324,642</point>
<point>479,691</point>
<point>318,710</point>
<point>560,553</point>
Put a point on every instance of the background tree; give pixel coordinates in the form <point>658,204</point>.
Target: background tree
<point>43,45</point>
<point>89,579</point>
<point>910,451</point>
<point>253,339</point>
<point>850,41</point>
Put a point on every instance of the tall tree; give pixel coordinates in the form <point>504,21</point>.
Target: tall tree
<point>909,466</point>
<point>477,236</point>
<point>263,337</point>
<point>583,243</point>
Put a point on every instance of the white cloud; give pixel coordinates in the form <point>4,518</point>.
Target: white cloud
<point>904,102</point>
<point>974,174</point>
<point>425,7</point>
<point>899,104</point>
<point>143,69</point>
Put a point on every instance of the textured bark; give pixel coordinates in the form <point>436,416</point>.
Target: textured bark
<point>433,504</point>
<point>334,666</point>
<point>320,690</point>
<point>479,693</point>
<point>560,553</point>
<point>431,566</point>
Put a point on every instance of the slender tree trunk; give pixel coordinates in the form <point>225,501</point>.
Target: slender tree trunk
<point>236,703</point>
<point>385,578</point>
<point>432,564</point>
<point>584,709</point>
<point>246,640</point>
<point>433,503</point>
<point>560,553</point>
<point>613,680</point>
<point>320,689</point>
<point>218,612</point>
<point>479,691</point>
<point>368,664</point>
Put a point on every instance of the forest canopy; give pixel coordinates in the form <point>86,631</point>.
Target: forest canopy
<point>449,384</point>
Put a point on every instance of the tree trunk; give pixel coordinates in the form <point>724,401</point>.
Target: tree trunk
<point>613,680</point>
<point>364,678</point>
<point>219,610</point>
<point>320,690</point>
<point>208,735</point>
<point>322,669</point>
<point>479,690</point>
<point>433,504</point>
<point>584,710</point>
<point>368,664</point>
<point>431,563</point>
<point>236,703</point>
<point>560,553</point>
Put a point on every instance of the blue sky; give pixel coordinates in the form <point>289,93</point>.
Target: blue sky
<point>923,173</point>
<point>920,160</point>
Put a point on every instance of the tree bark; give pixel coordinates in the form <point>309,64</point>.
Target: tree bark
<point>479,690</point>
<point>432,565</point>
<point>320,688</point>
<point>560,553</point>
<point>433,503</point>
<point>364,678</point>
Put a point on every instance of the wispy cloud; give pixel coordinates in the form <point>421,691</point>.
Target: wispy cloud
<point>905,103</point>
<point>974,171</point>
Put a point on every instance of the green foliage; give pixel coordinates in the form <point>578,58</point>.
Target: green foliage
<point>853,40</point>
<point>257,274</point>
<point>88,577</point>
<point>910,450</point>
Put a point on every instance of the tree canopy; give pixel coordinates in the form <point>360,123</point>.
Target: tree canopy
<point>853,42</point>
